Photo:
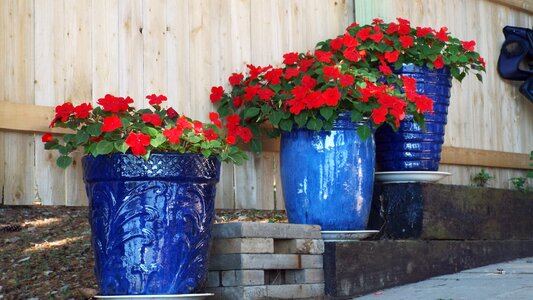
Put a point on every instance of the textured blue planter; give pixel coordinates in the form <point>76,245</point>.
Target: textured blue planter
<point>151,221</point>
<point>328,176</point>
<point>412,149</point>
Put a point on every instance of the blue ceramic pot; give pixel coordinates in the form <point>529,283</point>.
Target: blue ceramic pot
<point>151,221</point>
<point>328,176</point>
<point>410,148</point>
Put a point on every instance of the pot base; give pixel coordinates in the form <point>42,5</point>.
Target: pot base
<point>156,297</point>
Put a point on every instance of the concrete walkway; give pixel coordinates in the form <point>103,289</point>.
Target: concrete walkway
<point>510,280</point>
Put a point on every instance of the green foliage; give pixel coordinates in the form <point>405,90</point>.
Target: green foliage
<point>482,178</point>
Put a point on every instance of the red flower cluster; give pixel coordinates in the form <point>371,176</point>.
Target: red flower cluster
<point>156,99</point>
<point>114,104</point>
<point>235,130</point>
<point>138,143</point>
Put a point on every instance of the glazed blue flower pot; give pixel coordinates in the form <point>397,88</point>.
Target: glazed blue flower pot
<point>150,221</point>
<point>328,176</point>
<point>410,148</point>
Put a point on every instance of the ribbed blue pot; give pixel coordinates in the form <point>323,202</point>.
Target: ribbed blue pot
<point>410,148</point>
<point>151,221</point>
<point>328,176</point>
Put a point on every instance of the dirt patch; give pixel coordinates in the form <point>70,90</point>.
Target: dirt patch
<point>46,250</point>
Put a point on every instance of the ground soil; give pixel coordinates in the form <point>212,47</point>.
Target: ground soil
<point>45,251</point>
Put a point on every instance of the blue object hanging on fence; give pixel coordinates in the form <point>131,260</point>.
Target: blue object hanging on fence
<point>516,58</point>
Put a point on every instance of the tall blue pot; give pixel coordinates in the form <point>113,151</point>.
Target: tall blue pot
<point>410,148</point>
<point>151,221</point>
<point>328,176</point>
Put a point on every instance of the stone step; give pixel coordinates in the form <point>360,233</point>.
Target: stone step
<point>265,230</point>
<point>288,291</point>
<point>223,262</point>
<point>267,245</point>
<point>264,277</point>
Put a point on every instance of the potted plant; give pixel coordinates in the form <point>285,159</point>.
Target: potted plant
<point>150,177</point>
<point>325,106</point>
<point>431,57</point>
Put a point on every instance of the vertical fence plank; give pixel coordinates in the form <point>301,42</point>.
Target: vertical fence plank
<point>18,77</point>
<point>105,24</point>
<point>78,84</point>
<point>131,50</point>
<point>155,55</point>
<point>50,91</point>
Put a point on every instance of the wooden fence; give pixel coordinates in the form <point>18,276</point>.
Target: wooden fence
<point>52,51</point>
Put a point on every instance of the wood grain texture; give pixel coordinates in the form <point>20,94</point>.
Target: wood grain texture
<point>154,50</point>
<point>525,5</point>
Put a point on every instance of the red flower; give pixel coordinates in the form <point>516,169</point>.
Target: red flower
<point>291,72</point>
<point>323,56</point>
<point>364,33</point>
<point>409,84</point>
<point>376,37</point>
<point>237,101</point>
<point>404,27</point>
<point>354,24</point>
<point>213,116</point>
<point>393,27</point>
<point>423,31</point>
<point>331,96</point>
<point>406,41</point>
<point>210,134</point>
<point>250,92</point>
<point>349,41</point>
<point>256,71</point>
<point>115,104</point>
<point>152,118</point>
<point>482,61</point>
<point>183,123</point>
<point>230,139</point>
<point>171,113</point>
<point>309,82</point>
<point>290,58</point>
<point>216,93</point>
<point>245,134</point>
<point>379,115</point>
<point>47,137</point>
<point>305,64</point>
<point>265,94</point>
<point>63,112</point>
<point>392,56</point>
<point>377,21</point>
<point>352,54</point>
<point>173,134</point>
<point>233,120</point>
<point>83,110</point>
<point>385,69</point>
<point>442,35</point>
<point>274,75</point>
<point>331,72</point>
<point>111,123</point>
<point>138,142</point>
<point>235,79</point>
<point>438,62</point>
<point>156,100</point>
<point>336,43</point>
<point>469,46</point>
<point>346,80</point>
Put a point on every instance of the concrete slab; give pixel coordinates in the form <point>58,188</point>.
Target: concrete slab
<point>479,283</point>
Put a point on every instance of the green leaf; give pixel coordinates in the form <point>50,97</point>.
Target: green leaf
<point>326,112</point>
<point>152,132</point>
<point>479,77</point>
<point>286,124</point>
<point>314,124</point>
<point>64,161</point>
<point>81,137</point>
<point>276,117</point>
<point>266,109</point>
<point>206,152</point>
<point>356,116</point>
<point>301,119</point>
<point>104,147</point>
<point>121,146</point>
<point>125,122</point>
<point>95,129</point>
<point>364,132</point>
<point>158,140</point>
<point>69,138</point>
<point>251,112</point>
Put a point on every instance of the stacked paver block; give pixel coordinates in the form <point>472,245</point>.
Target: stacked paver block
<point>266,261</point>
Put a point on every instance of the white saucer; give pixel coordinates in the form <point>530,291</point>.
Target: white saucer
<point>155,297</point>
<point>346,235</point>
<point>410,176</point>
